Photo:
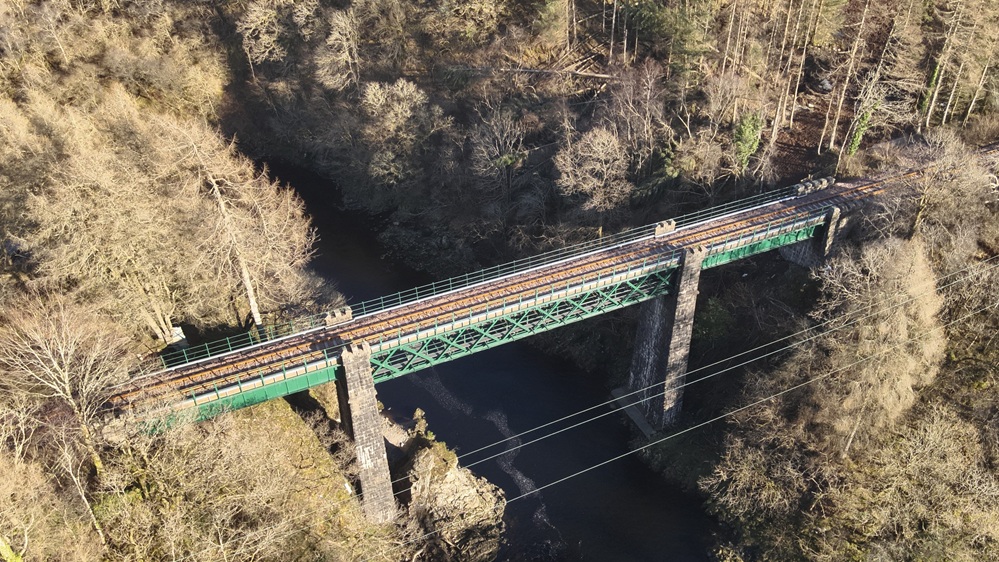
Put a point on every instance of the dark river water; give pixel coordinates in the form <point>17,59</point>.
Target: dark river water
<point>621,511</point>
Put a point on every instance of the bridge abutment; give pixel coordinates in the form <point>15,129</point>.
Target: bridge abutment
<point>363,422</point>
<point>662,346</point>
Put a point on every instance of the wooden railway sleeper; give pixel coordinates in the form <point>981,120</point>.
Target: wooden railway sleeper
<point>596,264</point>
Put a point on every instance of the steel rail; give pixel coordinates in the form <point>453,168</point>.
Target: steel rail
<point>319,347</point>
<point>405,323</point>
<point>208,350</point>
<point>428,303</point>
<point>381,326</point>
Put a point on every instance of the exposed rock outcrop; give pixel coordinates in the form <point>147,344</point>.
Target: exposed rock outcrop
<point>461,513</point>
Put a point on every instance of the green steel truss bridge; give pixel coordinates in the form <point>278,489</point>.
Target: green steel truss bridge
<point>449,319</point>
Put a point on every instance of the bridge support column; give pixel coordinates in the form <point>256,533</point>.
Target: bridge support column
<point>662,346</point>
<point>814,251</point>
<point>362,421</point>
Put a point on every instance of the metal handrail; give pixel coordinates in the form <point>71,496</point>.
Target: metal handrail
<point>191,354</point>
<point>771,230</point>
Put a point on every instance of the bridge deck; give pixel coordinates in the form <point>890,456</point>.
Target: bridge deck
<point>407,336</point>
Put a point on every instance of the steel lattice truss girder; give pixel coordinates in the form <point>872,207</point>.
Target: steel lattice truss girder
<point>807,231</point>
<point>390,361</point>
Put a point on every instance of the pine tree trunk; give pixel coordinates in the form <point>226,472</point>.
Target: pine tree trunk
<point>849,76</point>
<point>739,42</point>
<point>953,92</point>
<point>568,25</point>
<point>979,89</point>
<point>575,23</point>
<point>936,83</point>
<point>151,324</point>
<point>825,126</point>
<point>251,295</point>
<point>624,42</point>
<point>90,445</point>
<point>162,322</point>
<point>244,271</point>
<point>728,39</point>
<point>787,29</point>
<point>784,68</point>
<point>610,48</point>
<point>809,30</point>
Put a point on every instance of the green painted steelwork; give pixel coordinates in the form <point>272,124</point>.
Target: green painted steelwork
<point>461,337</point>
<point>510,322</point>
<point>805,232</point>
<point>213,403</point>
<point>270,332</point>
<point>506,320</point>
<point>515,321</point>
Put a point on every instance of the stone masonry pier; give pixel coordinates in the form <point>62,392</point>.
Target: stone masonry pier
<point>662,345</point>
<point>363,422</point>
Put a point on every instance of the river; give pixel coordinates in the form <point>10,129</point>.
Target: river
<point>622,511</point>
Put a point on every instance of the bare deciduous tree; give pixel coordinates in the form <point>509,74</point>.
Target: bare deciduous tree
<point>253,233</point>
<point>337,61</point>
<point>400,120</point>
<point>234,488</point>
<point>20,419</point>
<point>497,153</point>
<point>159,219</point>
<point>928,494</point>
<point>900,344</point>
<point>264,28</point>
<point>637,112</point>
<point>701,158</point>
<point>791,465</point>
<point>460,23</point>
<point>106,224</point>
<point>388,23</point>
<point>51,349</point>
<point>595,167</point>
<point>850,72</point>
<point>37,522</point>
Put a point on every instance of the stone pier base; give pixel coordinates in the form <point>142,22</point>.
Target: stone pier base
<point>363,422</point>
<point>662,346</point>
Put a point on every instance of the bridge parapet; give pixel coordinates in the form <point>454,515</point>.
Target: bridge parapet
<point>467,321</point>
<point>338,316</point>
<point>512,317</point>
<point>814,251</point>
<point>665,227</point>
<point>297,326</point>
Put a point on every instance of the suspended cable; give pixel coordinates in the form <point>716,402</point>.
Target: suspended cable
<point>699,425</point>
<point>854,320</point>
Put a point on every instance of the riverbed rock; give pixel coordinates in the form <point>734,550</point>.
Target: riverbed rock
<point>461,513</point>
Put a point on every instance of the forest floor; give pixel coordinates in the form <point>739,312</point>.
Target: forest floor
<point>797,151</point>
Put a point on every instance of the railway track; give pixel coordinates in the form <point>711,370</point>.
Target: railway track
<point>298,351</point>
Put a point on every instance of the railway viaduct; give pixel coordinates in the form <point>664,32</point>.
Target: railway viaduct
<point>657,267</point>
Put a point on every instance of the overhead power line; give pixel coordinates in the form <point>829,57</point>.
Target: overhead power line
<point>701,424</point>
<point>853,319</point>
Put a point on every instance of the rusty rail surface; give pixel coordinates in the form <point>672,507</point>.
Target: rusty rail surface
<point>324,343</point>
